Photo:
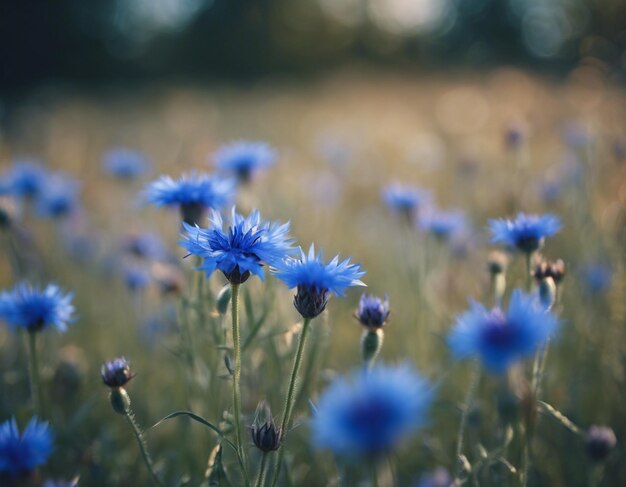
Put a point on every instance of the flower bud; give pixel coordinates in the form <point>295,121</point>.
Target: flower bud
<point>555,270</point>
<point>599,441</point>
<point>116,373</point>
<point>265,435</point>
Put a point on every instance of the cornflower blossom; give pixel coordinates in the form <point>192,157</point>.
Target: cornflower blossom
<point>526,233</point>
<point>244,158</point>
<point>23,453</point>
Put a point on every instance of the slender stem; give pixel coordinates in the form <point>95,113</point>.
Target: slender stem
<point>237,374</point>
<point>469,398</point>
<point>374,473</point>
<point>143,447</point>
<point>33,374</point>
<point>260,481</point>
<point>289,402</point>
<point>529,277</point>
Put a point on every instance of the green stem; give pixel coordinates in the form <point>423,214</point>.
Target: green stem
<point>143,447</point>
<point>260,481</point>
<point>374,473</point>
<point>33,374</point>
<point>237,375</point>
<point>289,402</point>
<point>469,398</point>
<point>529,277</point>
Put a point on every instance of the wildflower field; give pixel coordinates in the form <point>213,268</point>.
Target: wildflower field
<point>172,313</point>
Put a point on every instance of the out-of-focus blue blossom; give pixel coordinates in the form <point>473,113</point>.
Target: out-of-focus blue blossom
<point>442,224</point>
<point>550,190</point>
<point>405,200</point>
<point>116,373</point>
<point>499,339</point>
<point>21,454</point>
<point>368,413</point>
<point>439,477</point>
<point>126,164</point>
<point>58,197</point>
<point>144,245</point>
<point>576,135</point>
<point>33,309</point>
<point>514,135</point>
<point>242,250</point>
<point>316,280</point>
<point>526,233</point>
<point>334,150</point>
<point>372,312</point>
<point>596,278</point>
<point>136,277</point>
<point>61,483</point>
<point>192,193</point>
<point>244,158</point>
<point>25,178</point>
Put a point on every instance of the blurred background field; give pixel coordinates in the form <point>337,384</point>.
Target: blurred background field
<point>353,97</point>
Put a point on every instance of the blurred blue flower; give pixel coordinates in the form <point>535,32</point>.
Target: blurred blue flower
<point>372,312</point>
<point>500,339</point>
<point>32,309</point>
<point>136,277</point>
<point>61,483</point>
<point>316,280</point>
<point>144,245</point>
<point>244,249</point>
<point>405,199</point>
<point>442,224</point>
<point>550,190</point>
<point>25,178</point>
<point>125,163</point>
<point>58,197</point>
<point>576,135</point>
<point>116,373</point>
<point>192,193</point>
<point>439,477</point>
<point>23,454</point>
<point>244,158</point>
<point>597,278</point>
<point>368,413</point>
<point>526,233</point>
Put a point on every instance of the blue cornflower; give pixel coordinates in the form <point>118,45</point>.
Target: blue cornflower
<point>193,193</point>
<point>58,197</point>
<point>244,249</point>
<point>116,373</point>
<point>136,278</point>
<point>33,309</point>
<point>315,281</point>
<point>372,312</point>
<point>597,277</point>
<point>500,339</point>
<point>405,200</point>
<point>126,164</point>
<point>244,158</point>
<point>442,224</point>
<point>20,454</point>
<point>368,413</point>
<point>526,233</point>
<point>26,178</point>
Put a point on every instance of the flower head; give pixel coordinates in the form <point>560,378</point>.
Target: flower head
<point>499,339</point>
<point>116,373</point>
<point>316,280</point>
<point>599,441</point>
<point>442,224</point>
<point>526,233</point>
<point>368,413</point>
<point>23,453</point>
<point>596,277</point>
<point>405,199</point>
<point>546,268</point>
<point>34,309</point>
<point>26,178</point>
<point>126,164</point>
<point>244,158</point>
<point>144,245</point>
<point>266,436</point>
<point>242,250</point>
<point>372,312</point>
<point>192,193</point>
<point>58,197</point>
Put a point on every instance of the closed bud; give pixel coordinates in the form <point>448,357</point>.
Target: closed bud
<point>599,441</point>
<point>265,435</point>
<point>497,262</point>
<point>120,400</point>
<point>223,299</point>
<point>546,268</point>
